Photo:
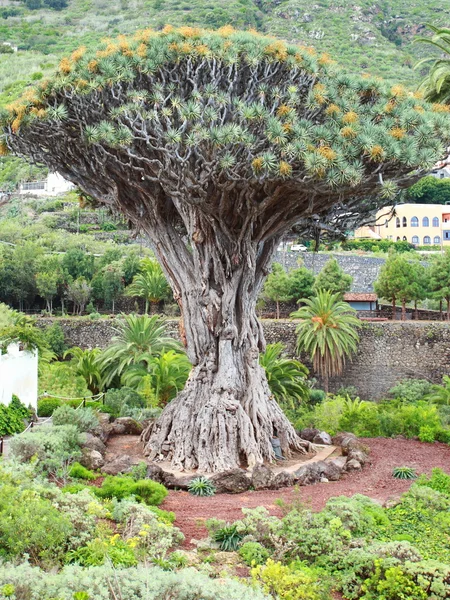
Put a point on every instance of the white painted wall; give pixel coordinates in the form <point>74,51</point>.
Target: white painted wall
<point>52,186</point>
<point>19,376</point>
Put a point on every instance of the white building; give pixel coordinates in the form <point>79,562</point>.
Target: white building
<point>52,186</point>
<point>19,376</point>
<point>441,169</point>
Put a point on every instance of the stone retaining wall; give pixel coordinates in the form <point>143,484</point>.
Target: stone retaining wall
<point>388,351</point>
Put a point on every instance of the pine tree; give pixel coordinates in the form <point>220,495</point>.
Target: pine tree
<point>333,279</point>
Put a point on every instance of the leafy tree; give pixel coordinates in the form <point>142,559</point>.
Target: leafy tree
<point>112,276</point>
<point>436,84</point>
<point>216,160</point>
<point>278,286</point>
<point>47,279</point>
<point>420,285</point>
<point>327,333</point>
<point>430,190</point>
<point>138,339</point>
<point>301,282</point>
<point>150,284</point>
<point>440,278</point>
<point>77,263</point>
<point>286,377</point>
<point>79,292</point>
<point>333,279</point>
<point>397,282</point>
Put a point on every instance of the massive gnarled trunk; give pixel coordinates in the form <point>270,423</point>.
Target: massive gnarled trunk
<point>226,415</point>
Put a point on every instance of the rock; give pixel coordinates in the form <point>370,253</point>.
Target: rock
<point>331,471</point>
<point>353,465</point>
<point>324,480</point>
<point>104,418</point>
<point>308,474</point>
<point>126,426</point>
<point>283,479</point>
<point>322,438</point>
<point>308,433</point>
<point>91,459</point>
<point>338,438</point>
<point>358,455</point>
<point>262,478</point>
<point>234,481</point>
<point>339,461</point>
<point>121,464</point>
<point>156,473</point>
<point>94,443</point>
<point>176,483</point>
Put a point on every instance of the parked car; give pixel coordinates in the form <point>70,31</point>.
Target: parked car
<point>299,248</point>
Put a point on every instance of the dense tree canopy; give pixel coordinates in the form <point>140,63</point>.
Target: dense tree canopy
<point>430,190</point>
<point>215,144</point>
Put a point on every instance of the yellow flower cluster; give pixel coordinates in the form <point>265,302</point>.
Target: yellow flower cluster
<point>397,132</point>
<point>277,50</point>
<point>348,132</point>
<point>350,117</point>
<point>284,168</point>
<point>333,109</point>
<point>376,153</point>
<point>327,152</point>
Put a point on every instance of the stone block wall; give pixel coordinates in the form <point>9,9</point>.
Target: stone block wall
<point>388,351</point>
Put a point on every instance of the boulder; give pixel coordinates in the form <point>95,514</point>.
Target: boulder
<point>94,443</point>
<point>359,455</point>
<point>309,433</point>
<point>176,483</point>
<point>262,478</point>
<point>339,461</point>
<point>233,481</point>
<point>104,418</point>
<point>340,437</point>
<point>353,465</point>
<point>283,479</point>
<point>91,459</point>
<point>308,474</point>
<point>331,471</point>
<point>322,438</point>
<point>120,464</point>
<point>156,473</point>
<point>126,426</point>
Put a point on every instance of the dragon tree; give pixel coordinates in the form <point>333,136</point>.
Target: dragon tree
<point>215,144</point>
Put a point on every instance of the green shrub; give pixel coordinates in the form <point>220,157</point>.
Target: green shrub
<point>316,396</point>
<point>47,406</point>
<point>54,336</point>
<point>294,582</point>
<point>122,401</point>
<point>253,553</point>
<point>411,390</point>
<point>12,417</point>
<point>53,447</point>
<point>84,419</point>
<point>97,552</point>
<point>108,583</point>
<point>120,487</point>
<point>438,480</point>
<point>109,227</point>
<point>77,471</point>
<point>391,584</point>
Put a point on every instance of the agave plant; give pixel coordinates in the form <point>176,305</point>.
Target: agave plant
<point>201,486</point>
<point>228,537</point>
<point>404,473</point>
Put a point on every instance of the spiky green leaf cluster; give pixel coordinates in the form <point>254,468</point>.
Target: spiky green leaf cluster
<point>191,88</point>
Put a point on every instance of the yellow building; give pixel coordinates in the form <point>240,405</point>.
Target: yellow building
<point>418,224</point>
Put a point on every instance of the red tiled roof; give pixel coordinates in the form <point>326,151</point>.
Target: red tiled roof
<point>360,297</point>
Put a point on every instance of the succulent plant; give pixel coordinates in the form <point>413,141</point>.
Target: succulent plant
<point>404,473</point>
<point>201,486</point>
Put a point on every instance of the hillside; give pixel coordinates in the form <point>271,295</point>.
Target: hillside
<point>367,36</point>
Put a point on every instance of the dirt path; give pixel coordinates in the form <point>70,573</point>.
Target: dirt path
<point>375,481</point>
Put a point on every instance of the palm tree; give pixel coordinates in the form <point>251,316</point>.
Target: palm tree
<point>327,332</point>
<point>150,284</point>
<point>138,340</point>
<point>166,374</point>
<point>286,377</point>
<point>87,365</point>
<point>436,84</point>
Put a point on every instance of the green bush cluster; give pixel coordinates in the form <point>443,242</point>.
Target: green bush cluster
<point>377,245</point>
<point>120,487</point>
<point>84,419</point>
<point>13,417</point>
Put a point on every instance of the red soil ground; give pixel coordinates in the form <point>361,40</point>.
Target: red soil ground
<point>375,481</point>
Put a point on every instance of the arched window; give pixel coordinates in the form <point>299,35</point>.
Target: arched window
<point>404,238</point>
<point>398,238</point>
<point>415,239</point>
<point>397,222</point>
<point>436,240</point>
<point>386,223</point>
<point>435,222</point>
<point>426,240</point>
<point>425,222</point>
<point>414,222</point>
<point>405,222</point>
